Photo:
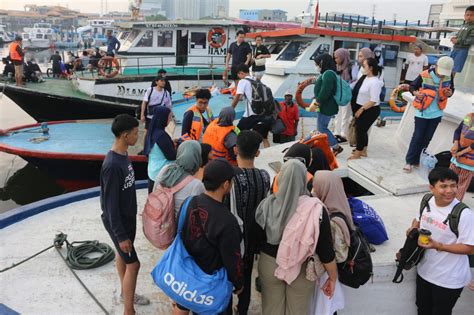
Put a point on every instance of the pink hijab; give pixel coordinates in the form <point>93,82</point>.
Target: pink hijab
<point>345,68</point>
<point>367,53</point>
<point>328,187</point>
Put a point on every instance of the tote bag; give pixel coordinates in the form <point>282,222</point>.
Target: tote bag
<point>181,279</point>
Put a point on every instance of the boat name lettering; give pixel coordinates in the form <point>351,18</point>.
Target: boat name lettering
<point>217,51</point>
<point>156,25</point>
<point>125,91</point>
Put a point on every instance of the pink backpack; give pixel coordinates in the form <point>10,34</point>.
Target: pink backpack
<point>159,224</point>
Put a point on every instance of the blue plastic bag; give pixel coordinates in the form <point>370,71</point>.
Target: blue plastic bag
<point>181,279</point>
<point>368,221</point>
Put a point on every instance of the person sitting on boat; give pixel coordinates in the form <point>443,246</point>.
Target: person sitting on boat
<point>113,44</point>
<point>290,116</point>
<point>463,40</point>
<point>194,122</point>
<point>36,74</point>
<point>162,73</point>
<point>221,134</point>
<point>8,68</point>
<point>154,96</point>
<point>159,147</point>
<point>71,59</point>
<point>427,119</point>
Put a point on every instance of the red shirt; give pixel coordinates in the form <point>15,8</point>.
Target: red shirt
<point>289,115</point>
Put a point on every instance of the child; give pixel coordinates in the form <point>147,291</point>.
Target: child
<point>462,162</point>
<point>463,40</point>
<point>118,201</point>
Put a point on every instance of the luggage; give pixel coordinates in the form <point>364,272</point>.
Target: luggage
<point>369,222</point>
<point>408,256</point>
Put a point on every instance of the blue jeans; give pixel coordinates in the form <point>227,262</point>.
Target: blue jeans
<point>422,135</point>
<point>459,56</point>
<point>322,126</point>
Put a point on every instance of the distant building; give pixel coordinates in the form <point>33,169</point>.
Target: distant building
<point>264,15</point>
<point>451,13</point>
<point>151,7</point>
<point>195,9</point>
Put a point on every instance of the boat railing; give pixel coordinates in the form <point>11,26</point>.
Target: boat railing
<point>143,65</point>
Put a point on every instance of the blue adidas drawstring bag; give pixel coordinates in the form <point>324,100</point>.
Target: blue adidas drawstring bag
<point>368,221</point>
<point>181,279</point>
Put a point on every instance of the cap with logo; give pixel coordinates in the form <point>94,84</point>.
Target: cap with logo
<point>445,65</point>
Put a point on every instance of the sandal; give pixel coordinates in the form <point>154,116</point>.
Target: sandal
<point>355,155</point>
<point>337,150</point>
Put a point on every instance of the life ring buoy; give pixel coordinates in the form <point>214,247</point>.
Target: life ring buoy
<point>108,61</point>
<point>394,97</point>
<point>216,37</point>
<point>299,92</point>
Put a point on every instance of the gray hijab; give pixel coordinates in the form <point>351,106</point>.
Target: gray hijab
<point>275,211</point>
<point>226,117</point>
<point>188,161</point>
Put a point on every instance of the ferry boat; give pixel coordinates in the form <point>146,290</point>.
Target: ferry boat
<point>5,37</point>
<point>94,34</point>
<point>40,36</point>
<point>195,57</point>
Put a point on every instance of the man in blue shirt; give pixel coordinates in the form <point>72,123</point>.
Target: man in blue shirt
<point>113,44</point>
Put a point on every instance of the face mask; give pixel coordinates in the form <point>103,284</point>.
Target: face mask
<point>363,71</point>
<point>377,53</point>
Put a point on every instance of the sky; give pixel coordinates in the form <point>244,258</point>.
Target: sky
<point>385,9</point>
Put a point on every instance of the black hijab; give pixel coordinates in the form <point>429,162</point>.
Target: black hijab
<point>326,62</point>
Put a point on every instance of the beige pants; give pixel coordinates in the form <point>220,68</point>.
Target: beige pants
<point>280,298</point>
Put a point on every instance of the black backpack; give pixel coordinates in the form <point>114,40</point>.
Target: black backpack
<point>263,102</point>
<point>358,268</point>
<point>411,254</point>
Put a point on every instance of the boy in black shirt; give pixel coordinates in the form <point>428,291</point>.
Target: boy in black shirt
<point>259,52</point>
<point>250,187</point>
<point>211,234</point>
<point>118,201</point>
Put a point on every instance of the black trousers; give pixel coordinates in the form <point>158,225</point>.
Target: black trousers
<point>244,297</point>
<point>363,124</point>
<point>435,300</point>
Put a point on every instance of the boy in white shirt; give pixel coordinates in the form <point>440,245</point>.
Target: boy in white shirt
<point>416,62</point>
<point>444,270</point>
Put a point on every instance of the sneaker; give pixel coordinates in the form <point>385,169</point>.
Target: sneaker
<point>341,139</point>
<point>408,168</point>
<point>138,300</point>
<point>337,150</point>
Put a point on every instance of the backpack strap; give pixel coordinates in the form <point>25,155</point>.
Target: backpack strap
<point>454,217</point>
<point>182,214</point>
<point>181,184</point>
<point>342,216</point>
<point>424,204</point>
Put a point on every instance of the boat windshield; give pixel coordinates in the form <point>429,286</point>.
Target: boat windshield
<point>128,42</point>
<point>293,51</point>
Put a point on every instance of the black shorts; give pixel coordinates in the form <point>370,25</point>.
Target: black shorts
<point>128,258</point>
<point>261,124</point>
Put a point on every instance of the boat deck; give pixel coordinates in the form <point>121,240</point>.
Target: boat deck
<point>50,288</point>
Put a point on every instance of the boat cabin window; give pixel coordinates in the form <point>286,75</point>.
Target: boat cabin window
<point>198,40</point>
<point>146,40</point>
<point>165,39</point>
<point>322,49</point>
<point>123,35</point>
<point>128,42</point>
<point>353,47</point>
<point>276,48</point>
<point>293,51</point>
<point>39,36</point>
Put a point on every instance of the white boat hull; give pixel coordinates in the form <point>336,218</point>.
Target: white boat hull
<point>37,43</point>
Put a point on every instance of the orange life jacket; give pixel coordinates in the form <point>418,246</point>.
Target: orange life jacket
<point>14,55</point>
<point>429,90</point>
<point>215,136</point>
<point>309,179</point>
<point>197,125</point>
<point>466,139</point>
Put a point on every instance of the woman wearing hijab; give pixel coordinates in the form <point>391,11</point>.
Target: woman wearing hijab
<point>319,161</point>
<point>159,147</point>
<point>324,91</point>
<point>364,53</point>
<point>348,72</point>
<point>328,187</point>
<point>188,161</point>
<point>302,153</point>
<point>206,156</point>
<point>221,135</point>
<point>272,216</point>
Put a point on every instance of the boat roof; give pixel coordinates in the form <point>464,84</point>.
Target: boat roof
<point>178,23</point>
<point>314,32</point>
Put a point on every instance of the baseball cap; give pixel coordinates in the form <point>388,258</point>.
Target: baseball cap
<point>218,171</point>
<point>445,65</point>
<point>287,93</point>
